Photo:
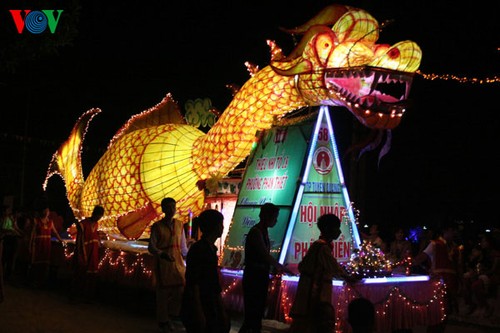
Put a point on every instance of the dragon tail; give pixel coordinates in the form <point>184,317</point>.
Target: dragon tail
<point>66,161</point>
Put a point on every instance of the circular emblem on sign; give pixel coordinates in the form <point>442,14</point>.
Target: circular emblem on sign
<point>323,160</point>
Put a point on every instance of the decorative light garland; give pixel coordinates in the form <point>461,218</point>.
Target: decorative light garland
<point>231,286</point>
<point>137,265</point>
<point>120,262</point>
<point>347,294</point>
<point>463,79</point>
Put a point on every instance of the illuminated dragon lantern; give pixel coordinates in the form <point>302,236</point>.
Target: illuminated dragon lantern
<point>157,154</point>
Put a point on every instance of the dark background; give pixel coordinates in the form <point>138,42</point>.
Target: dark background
<point>125,56</point>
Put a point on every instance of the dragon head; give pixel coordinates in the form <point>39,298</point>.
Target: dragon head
<point>343,65</point>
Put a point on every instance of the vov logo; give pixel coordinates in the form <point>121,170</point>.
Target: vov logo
<point>36,21</point>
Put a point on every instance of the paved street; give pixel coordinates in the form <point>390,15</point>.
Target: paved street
<point>128,310</point>
<point>124,310</point>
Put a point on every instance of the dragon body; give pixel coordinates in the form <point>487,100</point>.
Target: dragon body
<point>156,154</point>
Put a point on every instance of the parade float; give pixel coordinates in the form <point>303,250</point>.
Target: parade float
<point>278,124</point>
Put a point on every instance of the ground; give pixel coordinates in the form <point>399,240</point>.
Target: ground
<point>129,310</point>
<point>117,309</point>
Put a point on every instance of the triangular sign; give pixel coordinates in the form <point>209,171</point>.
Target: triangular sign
<point>296,167</point>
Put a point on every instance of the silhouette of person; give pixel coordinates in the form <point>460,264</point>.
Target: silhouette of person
<point>258,262</point>
<point>40,245</point>
<point>202,307</point>
<point>361,315</point>
<point>168,246</point>
<point>374,237</point>
<point>400,249</point>
<point>12,234</point>
<point>444,257</point>
<point>312,310</point>
<point>87,254</point>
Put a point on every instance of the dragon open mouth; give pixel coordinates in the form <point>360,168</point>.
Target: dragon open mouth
<point>370,89</point>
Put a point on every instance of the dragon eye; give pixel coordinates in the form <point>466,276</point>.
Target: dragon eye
<point>394,53</point>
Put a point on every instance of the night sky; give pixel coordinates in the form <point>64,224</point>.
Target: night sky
<point>125,56</point>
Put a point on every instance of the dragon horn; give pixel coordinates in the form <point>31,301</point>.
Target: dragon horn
<point>328,16</point>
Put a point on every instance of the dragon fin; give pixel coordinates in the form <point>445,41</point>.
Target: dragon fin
<point>133,224</point>
<point>66,161</point>
<point>165,112</point>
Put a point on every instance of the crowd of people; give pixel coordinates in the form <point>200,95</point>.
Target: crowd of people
<point>26,239</point>
<point>193,292</point>
<point>186,276</point>
<point>468,262</point>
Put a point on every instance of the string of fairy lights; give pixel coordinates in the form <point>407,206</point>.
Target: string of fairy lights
<point>402,301</point>
<point>397,296</point>
<point>120,261</point>
<point>460,79</point>
<point>128,264</point>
